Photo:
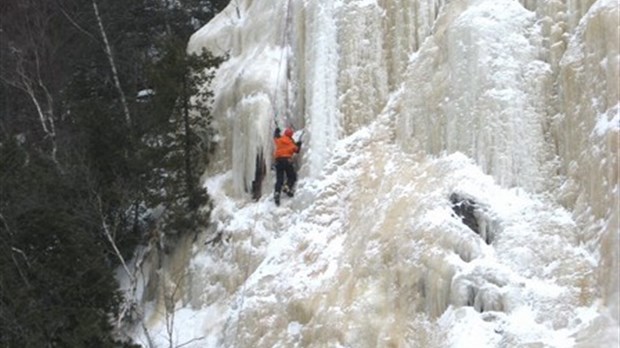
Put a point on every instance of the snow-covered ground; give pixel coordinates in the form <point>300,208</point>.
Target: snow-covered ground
<point>512,105</point>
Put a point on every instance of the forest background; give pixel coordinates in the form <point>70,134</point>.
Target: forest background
<point>103,136</point>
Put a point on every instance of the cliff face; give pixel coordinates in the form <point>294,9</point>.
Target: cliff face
<point>416,113</point>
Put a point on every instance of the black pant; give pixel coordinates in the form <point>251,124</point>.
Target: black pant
<point>285,166</point>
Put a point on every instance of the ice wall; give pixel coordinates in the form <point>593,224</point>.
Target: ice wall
<point>251,91</point>
<point>511,103</point>
<point>478,86</point>
<point>587,134</point>
<point>528,95</point>
<point>306,71</point>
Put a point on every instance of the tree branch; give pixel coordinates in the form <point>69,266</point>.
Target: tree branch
<point>75,24</point>
<point>130,305</point>
<point>191,341</point>
<point>29,85</point>
<point>13,251</point>
<point>106,231</point>
<point>26,85</point>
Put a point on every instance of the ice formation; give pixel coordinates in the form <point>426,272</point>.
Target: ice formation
<point>513,105</point>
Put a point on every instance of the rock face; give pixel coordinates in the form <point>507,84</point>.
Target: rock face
<point>473,216</point>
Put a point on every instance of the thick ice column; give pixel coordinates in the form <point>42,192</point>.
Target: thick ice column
<point>477,87</point>
<point>323,119</point>
<point>587,134</point>
<point>251,140</point>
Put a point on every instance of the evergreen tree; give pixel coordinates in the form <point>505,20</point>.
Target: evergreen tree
<point>73,168</point>
<point>56,287</point>
<point>187,136</point>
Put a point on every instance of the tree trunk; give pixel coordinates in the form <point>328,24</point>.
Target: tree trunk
<point>108,51</point>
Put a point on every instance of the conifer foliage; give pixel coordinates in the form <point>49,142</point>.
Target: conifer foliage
<point>81,164</point>
<point>185,140</point>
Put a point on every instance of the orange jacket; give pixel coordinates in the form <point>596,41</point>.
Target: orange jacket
<point>285,147</point>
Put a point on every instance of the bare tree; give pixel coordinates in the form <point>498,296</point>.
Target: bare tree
<point>108,51</point>
<point>170,290</point>
<point>26,51</point>
<point>129,305</point>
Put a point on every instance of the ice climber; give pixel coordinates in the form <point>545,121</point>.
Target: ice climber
<point>285,148</point>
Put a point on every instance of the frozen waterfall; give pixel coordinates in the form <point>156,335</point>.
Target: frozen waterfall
<point>459,179</point>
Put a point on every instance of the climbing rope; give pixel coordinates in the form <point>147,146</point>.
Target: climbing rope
<point>287,123</point>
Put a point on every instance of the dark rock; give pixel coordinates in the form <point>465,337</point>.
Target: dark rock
<point>259,175</point>
<point>474,216</point>
<point>465,208</point>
